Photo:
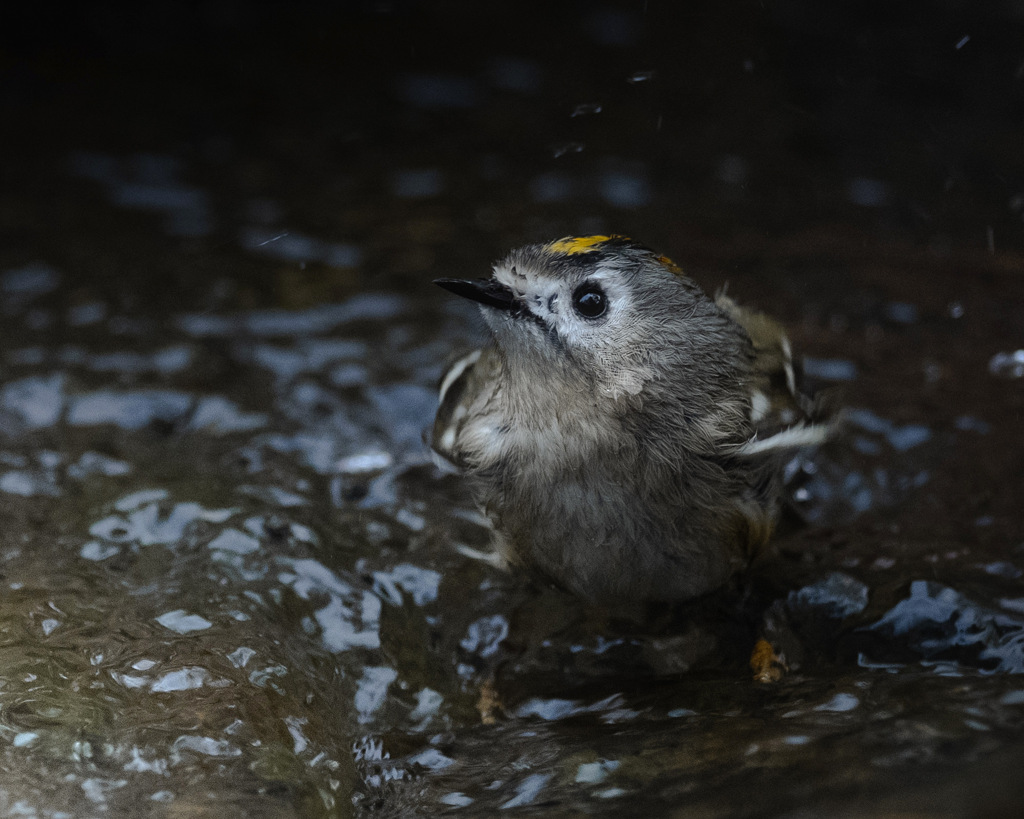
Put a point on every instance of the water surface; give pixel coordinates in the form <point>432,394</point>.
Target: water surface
<point>231,580</point>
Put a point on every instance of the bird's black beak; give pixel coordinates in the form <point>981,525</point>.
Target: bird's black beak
<point>486,291</point>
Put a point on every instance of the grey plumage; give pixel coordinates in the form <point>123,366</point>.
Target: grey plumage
<point>623,431</point>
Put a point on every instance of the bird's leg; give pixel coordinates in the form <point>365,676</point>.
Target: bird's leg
<point>777,648</point>
<point>489,702</point>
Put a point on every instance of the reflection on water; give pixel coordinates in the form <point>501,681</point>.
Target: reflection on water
<point>232,580</point>
<point>177,598</point>
<point>272,600</point>
<point>948,629</point>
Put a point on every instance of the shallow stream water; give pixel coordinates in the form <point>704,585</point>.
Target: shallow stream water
<point>232,582</point>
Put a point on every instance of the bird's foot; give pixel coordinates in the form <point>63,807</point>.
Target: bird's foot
<point>767,665</point>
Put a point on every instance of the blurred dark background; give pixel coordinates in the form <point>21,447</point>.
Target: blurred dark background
<point>903,121</point>
<point>172,173</point>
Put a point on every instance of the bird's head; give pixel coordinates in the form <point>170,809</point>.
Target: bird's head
<point>605,312</point>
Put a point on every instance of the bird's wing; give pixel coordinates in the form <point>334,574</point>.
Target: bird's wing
<point>782,416</point>
<point>463,393</point>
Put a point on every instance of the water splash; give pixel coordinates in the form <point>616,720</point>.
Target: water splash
<point>527,790</point>
<point>838,595</point>
<point>941,623</point>
<point>180,622</point>
<point>349,619</point>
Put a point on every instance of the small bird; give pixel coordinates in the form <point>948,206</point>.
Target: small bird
<point>624,432</point>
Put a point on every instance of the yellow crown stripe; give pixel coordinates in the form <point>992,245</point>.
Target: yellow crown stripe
<point>572,245</point>
<point>665,260</point>
<point>576,245</point>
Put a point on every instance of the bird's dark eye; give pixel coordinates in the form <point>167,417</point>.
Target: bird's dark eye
<point>589,300</point>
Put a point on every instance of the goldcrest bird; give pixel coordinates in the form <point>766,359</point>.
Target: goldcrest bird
<point>624,431</point>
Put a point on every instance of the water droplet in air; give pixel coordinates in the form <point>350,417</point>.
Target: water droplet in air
<point>567,148</point>
<point>641,76</point>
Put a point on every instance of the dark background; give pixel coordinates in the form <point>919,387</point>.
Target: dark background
<point>853,168</point>
<point>809,97</point>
